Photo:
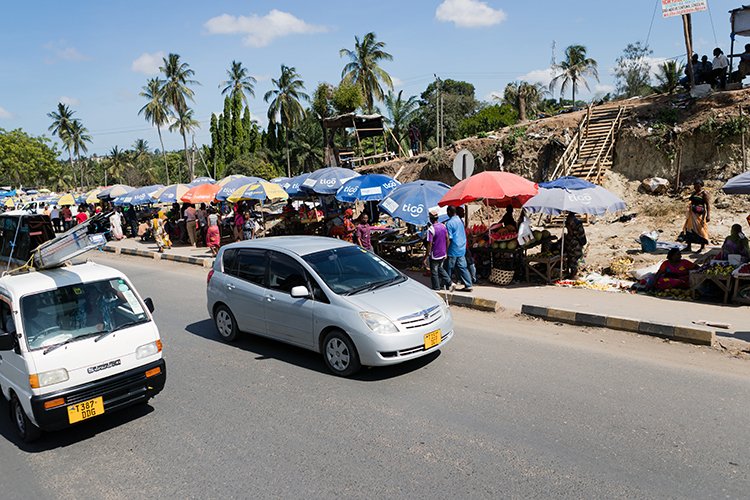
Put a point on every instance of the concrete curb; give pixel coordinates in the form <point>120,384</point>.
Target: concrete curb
<point>470,302</point>
<point>206,262</point>
<point>671,332</point>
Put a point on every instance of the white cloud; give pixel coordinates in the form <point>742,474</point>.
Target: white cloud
<point>397,82</point>
<point>4,113</point>
<point>70,101</point>
<point>469,13</point>
<point>62,51</point>
<point>603,88</point>
<point>543,76</point>
<point>260,31</point>
<point>148,64</point>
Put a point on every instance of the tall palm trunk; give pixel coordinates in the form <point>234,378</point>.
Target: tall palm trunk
<point>521,108</point>
<point>575,84</point>
<point>288,160</point>
<point>187,156</point>
<point>78,159</point>
<point>163,153</point>
<point>72,166</point>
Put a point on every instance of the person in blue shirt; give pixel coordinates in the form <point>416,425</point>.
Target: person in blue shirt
<point>457,249</point>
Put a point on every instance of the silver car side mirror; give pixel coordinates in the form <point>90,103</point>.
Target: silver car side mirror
<point>300,292</point>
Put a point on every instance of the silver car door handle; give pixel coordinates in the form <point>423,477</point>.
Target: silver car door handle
<point>270,298</point>
<point>230,286</point>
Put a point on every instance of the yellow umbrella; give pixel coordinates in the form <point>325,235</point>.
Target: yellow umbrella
<point>229,178</point>
<point>91,196</point>
<point>10,203</point>
<point>261,191</point>
<point>67,199</point>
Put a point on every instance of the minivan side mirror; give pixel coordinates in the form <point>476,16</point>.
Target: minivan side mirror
<point>300,292</point>
<point>149,303</point>
<point>7,341</point>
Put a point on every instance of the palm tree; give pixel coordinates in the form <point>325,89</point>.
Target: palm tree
<point>185,123</point>
<point>156,111</point>
<point>524,97</point>
<point>574,69</point>
<point>400,113</point>
<point>306,143</point>
<point>238,81</point>
<point>285,108</point>
<point>118,163</point>
<point>79,136</point>
<point>176,92</point>
<point>364,70</point>
<point>669,75</point>
<point>62,123</point>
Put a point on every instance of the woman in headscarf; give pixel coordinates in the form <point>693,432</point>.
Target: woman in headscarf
<point>736,244</point>
<point>160,233</point>
<point>674,272</point>
<point>695,229</point>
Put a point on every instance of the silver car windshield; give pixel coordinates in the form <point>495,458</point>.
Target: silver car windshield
<point>72,312</point>
<point>351,270</point>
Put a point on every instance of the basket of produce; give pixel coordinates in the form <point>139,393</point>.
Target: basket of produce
<point>501,277</point>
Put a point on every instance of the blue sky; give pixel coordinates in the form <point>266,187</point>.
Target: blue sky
<point>96,55</point>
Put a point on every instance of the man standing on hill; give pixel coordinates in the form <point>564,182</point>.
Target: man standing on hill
<point>457,249</point>
<point>720,66</point>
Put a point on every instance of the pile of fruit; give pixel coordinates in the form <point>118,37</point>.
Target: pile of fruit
<point>675,293</point>
<point>744,269</point>
<point>621,266</point>
<point>718,270</point>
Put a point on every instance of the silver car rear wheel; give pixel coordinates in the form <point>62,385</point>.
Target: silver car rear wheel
<point>225,323</point>
<point>340,354</point>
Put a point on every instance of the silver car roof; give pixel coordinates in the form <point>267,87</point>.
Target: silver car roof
<point>300,245</point>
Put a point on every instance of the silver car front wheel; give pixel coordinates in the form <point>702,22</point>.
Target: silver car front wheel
<point>340,354</point>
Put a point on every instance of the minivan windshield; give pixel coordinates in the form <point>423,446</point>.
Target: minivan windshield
<point>77,311</point>
<point>350,270</point>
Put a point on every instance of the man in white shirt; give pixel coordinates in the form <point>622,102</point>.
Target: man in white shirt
<point>720,66</point>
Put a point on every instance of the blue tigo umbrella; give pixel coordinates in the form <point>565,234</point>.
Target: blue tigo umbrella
<point>569,182</point>
<point>201,180</point>
<point>413,201</point>
<point>171,193</point>
<point>293,186</point>
<point>593,201</point>
<point>140,196</point>
<point>738,185</point>
<point>370,187</point>
<point>327,180</point>
<point>233,185</point>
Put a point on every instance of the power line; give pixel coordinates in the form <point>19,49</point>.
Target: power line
<point>713,27</point>
<point>651,26</point>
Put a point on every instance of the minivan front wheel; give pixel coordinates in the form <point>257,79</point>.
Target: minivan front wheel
<point>26,430</point>
<point>340,355</point>
<point>225,323</point>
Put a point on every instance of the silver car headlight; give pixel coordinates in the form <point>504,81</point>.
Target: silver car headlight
<point>44,379</point>
<point>378,323</point>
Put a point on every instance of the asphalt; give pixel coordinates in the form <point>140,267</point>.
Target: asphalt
<point>513,407</point>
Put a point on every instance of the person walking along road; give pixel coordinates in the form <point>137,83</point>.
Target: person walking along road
<point>457,249</point>
<point>437,252</point>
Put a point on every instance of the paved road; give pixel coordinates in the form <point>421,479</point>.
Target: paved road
<point>512,408</point>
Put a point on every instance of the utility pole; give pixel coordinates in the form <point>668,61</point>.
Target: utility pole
<point>437,111</point>
<point>687,25</point>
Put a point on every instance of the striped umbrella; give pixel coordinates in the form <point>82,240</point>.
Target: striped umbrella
<point>91,196</point>
<point>233,185</point>
<point>113,192</point>
<point>171,193</point>
<point>259,191</point>
<point>140,196</point>
<point>229,178</point>
<point>293,186</point>
<point>201,180</point>
<point>67,199</point>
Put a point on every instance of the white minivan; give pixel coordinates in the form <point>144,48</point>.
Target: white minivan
<point>76,342</point>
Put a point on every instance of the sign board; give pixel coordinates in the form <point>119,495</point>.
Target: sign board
<point>463,165</point>
<point>671,8</point>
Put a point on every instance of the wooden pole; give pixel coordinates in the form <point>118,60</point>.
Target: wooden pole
<point>742,136</point>
<point>687,25</point>
<point>679,169</point>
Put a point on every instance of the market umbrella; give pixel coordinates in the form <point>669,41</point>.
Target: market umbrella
<point>9,203</point>
<point>228,178</point>
<point>293,186</point>
<point>280,180</point>
<point>412,202</point>
<point>66,199</point>
<point>739,184</point>
<point>204,193</point>
<point>327,180</point>
<point>32,191</point>
<point>370,187</point>
<point>140,196</point>
<point>112,192</point>
<point>171,193</point>
<point>593,200</point>
<point>499,189</point>
<point>259,191</point>
<point>91,196</point>
<point>201,180</point>
<point>234,184</point>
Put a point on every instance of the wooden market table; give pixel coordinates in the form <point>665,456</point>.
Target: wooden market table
<point>697,278</point>
<point>740,282</point>
<point>550,265</point>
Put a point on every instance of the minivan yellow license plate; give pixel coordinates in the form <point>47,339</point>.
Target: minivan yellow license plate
<point>432,339</point>
<point>85,409</point>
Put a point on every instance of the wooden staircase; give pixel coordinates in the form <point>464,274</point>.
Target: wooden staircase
<point>590,154</point>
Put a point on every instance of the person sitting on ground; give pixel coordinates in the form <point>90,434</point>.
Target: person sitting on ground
<point>674,272</point>
<point>703,71</point>
<point>736,244</point>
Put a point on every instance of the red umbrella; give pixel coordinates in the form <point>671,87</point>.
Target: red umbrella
<point>499,189</point>
<point>204,193</point>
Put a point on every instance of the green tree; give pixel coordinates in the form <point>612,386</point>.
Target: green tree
<point>185,123</point>
<point>117,166</point>
<point>29,160</point>
<point>574,70</point>
<point>347,98</point>
<point>399,114</point>
<point>633,71</point>
<point>321,100</point>
<point>364,68</point>
<point>62,124</point>
<point>79,136</point>
<point>177,92</point>
<point>156,111</point>
<point>307,144</point>
<point>238,135</point>
<point>526,98</point>
<point>488,119</point>
<point>459,103</point>
<point>285,108</point>
<point>238,82</point>
<point>254,164</point>
<point>669,75</point>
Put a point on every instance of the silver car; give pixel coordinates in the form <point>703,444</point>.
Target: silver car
<point>328,296</point>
